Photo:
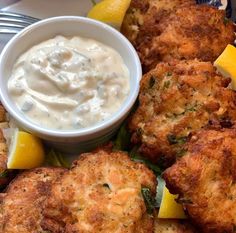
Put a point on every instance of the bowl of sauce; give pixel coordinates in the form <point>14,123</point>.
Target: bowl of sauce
<point>69,80</point>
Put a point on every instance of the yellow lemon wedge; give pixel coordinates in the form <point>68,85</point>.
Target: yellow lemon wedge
<point>25,151</point>
<point>169,207</point>
<point>110,11</point>
<point>226,64</point>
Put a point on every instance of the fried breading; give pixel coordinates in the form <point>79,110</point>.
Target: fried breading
<point>134,25</point>
<point>3,146</point>
<point>3,152</point>
<point>21,204</point>
<point>173,226</point>
<point>4,179</point>
<point>2,114</point>
<point>205,180</point>
<point>101,193</point>
<point>176,99</point>
<point>188,32</point>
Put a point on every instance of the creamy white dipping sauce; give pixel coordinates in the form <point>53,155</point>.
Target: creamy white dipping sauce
<point>69,83</point>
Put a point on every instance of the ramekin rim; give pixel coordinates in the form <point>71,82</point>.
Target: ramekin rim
<point>125,108</point>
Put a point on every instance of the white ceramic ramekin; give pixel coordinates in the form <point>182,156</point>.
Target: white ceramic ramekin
<point>72,140</point>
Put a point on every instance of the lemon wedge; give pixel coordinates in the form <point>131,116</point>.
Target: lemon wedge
<point>226,64</point>
<point>110,11</point>
<point>25,151</point>
<point>169,208</point>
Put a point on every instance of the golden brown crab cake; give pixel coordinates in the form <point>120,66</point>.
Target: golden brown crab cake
<point>3,159</point>
<point>143,15</point>
<point>186,32</point>
<point>101,193</point>
<point>3,147</point>
<point>22,203</point>
<point>205,179</point>
<point>4,176</point>
<point>176,99</point>
<point>173,226</point>
<point>199,31</point>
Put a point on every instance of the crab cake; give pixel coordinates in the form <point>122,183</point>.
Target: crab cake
<point>5,176</point>
<point>143,15</point>
<point>101,193</point>
<point>21,204</point>
<point>173,226</point>
<point>3,146</point>
<point>3,161</point>
<point>205,179</point>
<point>176,99</point>
<point>189,32</point>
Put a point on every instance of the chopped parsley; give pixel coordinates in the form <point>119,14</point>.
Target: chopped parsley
<point>172,139</point>
<point>181,152</point>
<point>191,109</point>
<point>139,132</point>
<point>184,200</point>
<point>106,186</point>
<point>167,84</point>
<point>152,81</point>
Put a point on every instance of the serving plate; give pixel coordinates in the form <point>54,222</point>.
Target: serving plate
<point>45,9</point>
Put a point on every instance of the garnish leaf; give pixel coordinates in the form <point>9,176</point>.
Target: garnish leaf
<point>4,174</point>
<point>149,200</point>
<point>135,156</point>
<point>172,139</point>
<point>122,140</point>
<point>54,158</point>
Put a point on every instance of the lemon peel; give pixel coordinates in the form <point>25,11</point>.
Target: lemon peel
<point>169,207</point>
<point>226,64</point>
<point>110,11</point>
<point>25,151</point>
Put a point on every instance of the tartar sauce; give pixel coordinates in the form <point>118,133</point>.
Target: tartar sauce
<point>69,83</point>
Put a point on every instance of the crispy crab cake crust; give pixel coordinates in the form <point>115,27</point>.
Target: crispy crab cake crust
<point>205,179</point>
<point>3,146</point>
<point>185,32</point>
<point>135,23</point>
<point>4,179</point>
<point>176,99</point>
<point>101,193</point>
<point>21,204</point>
<point>173,226</point>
